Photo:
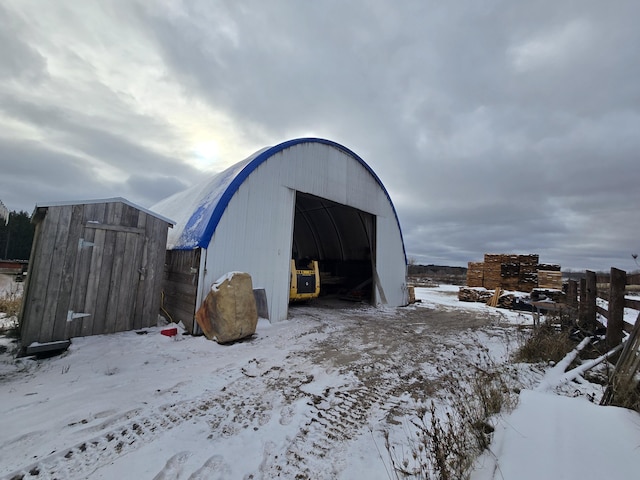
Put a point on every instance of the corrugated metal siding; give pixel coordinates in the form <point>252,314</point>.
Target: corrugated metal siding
<point>255,232</point>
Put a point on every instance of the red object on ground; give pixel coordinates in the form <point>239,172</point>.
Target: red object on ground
<point>169,332</point>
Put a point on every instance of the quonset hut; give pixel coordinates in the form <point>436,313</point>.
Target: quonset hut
<point>304,198</point>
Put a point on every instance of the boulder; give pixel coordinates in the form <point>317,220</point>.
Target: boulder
<point>229,311</point>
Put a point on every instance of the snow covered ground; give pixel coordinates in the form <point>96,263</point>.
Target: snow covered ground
<point>307,398</point>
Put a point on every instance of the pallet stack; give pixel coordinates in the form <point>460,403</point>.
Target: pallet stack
<point>528,276</point>
<point>475,274</point>
<point>492,271</point>
<point>549,276</point>
<point>510,272</point>
<point>513,272</point>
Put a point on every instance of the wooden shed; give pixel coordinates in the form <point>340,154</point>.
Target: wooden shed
<point>96,267</point>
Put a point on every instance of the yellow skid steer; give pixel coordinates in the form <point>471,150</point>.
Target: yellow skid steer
<point>305,280</point>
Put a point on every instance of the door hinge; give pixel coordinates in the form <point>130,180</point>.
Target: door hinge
<point>82,243</point>
<point>71,315</point>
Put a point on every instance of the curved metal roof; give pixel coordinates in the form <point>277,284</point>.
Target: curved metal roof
<point>198,210</point>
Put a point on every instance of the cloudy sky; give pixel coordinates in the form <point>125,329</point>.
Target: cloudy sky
<point>497,126</point>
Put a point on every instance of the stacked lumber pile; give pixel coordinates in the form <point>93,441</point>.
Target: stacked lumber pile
<point>475,274</point>
<point>509,272</point>
<point>482,295</point>
<point>502,270</point>
<point>474,295</point>
<point>513,272</point>
<point>506,301</point>
<point>528,275</point>
<point>552,295</point>
<point>550,279</point>
<point>492,270</point>
<point>550,267</point>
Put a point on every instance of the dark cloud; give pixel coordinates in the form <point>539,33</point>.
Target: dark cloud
<point>34,174</point>
<point>496,126</point>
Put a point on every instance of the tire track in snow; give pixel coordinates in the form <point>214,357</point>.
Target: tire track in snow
<point>343,414</point>
<point>335,419</point>
<point>332,419</point>
<point>225,411</point>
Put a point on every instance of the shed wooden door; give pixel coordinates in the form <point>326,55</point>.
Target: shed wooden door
<point>108,279</point>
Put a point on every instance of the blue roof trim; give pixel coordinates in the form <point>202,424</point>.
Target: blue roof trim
<point>234,185</point>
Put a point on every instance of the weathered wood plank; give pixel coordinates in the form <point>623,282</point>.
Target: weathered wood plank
<point>141,267</point>
<point>113,214</point>
<point>615,319</point>
<point>591,294</point>
<point>111,267</point>
<point>95,213</point>
<point>138,312</point>
<point>129,282</point>
<point>48,347</point>
<point>53,283</point>
<point>190,279</point>
<point>85,249</point>
<point>81,272</point>
<point>582,306</point>
<point>180,285</point>
<point>183,314</point>
<point>36,295</point>
<point>90,304</point>
<point>104,282</point>
<point>630,303</point>
<point>111,314</point>
<point>180,289</point>
<point>67,275</point>
<point>624,381</point>
<point>131,216</point>
<point>27,313</point>
<point>116,228</point>
<point>153,280</point>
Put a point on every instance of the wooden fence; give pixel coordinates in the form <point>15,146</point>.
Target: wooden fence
<point>582,300</point>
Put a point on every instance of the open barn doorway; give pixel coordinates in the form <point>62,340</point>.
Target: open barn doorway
<point>342,240</point>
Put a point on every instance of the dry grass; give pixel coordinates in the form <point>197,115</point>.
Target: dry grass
<point>627,396</point>
<point>10,304</point>
<point>543,344</point>
<point>448,439</point>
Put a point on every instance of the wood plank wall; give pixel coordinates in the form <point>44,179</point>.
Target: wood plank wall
<point>95,268</point>
<point>181,285</point>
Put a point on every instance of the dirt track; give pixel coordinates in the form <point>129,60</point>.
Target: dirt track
<point>392,354</point>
